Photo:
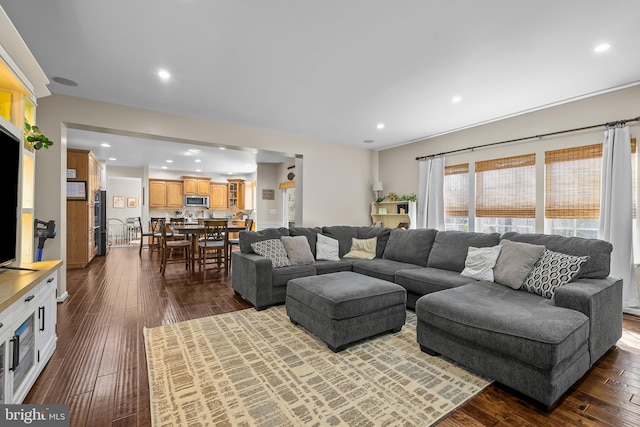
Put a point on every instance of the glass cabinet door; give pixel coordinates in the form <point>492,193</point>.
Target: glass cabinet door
<point>2,356</point>
<point>24,350</point>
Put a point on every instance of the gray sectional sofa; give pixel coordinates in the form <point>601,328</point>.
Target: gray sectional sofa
<point>535,345</point>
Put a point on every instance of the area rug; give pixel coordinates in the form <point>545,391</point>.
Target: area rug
<point>255,368</point>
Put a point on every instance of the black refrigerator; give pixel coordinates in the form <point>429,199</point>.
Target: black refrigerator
<point>100,227</point>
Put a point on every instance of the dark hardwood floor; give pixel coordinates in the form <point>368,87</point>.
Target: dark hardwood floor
<point>99,366</point>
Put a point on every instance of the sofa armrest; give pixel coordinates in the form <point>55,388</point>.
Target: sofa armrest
<point>251,278</point>
<point>601,301</point>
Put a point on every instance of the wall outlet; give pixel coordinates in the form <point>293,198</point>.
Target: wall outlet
<point>273,212</point>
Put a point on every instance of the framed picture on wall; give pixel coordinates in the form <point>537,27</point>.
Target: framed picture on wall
<point>131,202</point>
<point>118,201</point>
<point>76,190</point>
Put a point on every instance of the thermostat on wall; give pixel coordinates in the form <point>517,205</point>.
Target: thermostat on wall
<point>71,174</point>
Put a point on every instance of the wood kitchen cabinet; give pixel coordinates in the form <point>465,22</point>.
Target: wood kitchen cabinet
<point>165,193</point>
<point>81,241</point>
<point>218,195</point>
<point>196,186</point>
<point>236,194</point>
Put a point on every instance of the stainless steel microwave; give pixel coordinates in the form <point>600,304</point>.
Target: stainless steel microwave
<point>196,201</point>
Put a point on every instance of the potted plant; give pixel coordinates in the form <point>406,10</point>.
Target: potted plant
<point>35,137</point>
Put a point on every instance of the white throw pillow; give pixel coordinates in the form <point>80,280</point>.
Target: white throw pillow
<point>480,262</point>
<point>327,249</point>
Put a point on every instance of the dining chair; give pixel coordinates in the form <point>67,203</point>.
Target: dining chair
<point>169,247</point>
<point>235,241</point>
<point>148,234</point>
<point>214,244</point>
<point>177,221</point>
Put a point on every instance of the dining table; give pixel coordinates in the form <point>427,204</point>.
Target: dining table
<point>193,230</point>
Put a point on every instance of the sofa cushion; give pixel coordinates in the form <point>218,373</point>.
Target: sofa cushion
<point>326,267</point>
<point>343,234</point>
<point>518,324</point>
<point>274,250</point>
<point>327,249</point>
<point>384,269</point>
<point>362,248</point>
<point>298,250</point>
<point>551,271</point>
<point>515,262</point>
<point>309,233</point>
<point>480,262</point>
<point>280,276</point>
<point>410,246</point>
<point>599,251</point>
<point>380,233</point>
<point>450,248</point>
<point>246,238</point>
<point>423,281</point>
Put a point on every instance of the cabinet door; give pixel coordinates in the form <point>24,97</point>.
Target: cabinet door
<point>203,187</point>
<point>4,363</point>
<point>23,356</point>
<point>218,196</point>
<point>190,186</point>
<point>47,317</point>
<point>157,194</point>
<point>174,194</point>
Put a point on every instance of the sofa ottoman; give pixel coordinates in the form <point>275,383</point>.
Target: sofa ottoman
<point>344,307</point>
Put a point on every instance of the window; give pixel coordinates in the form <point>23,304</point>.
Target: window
<point>572,190</point>
<point>506,194</point>
<point>456,197</point>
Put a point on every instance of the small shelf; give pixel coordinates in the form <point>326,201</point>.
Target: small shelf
<point>394,214</point>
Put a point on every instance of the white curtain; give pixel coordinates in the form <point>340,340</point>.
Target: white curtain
<point>431,194</point>
<point>616,209</point>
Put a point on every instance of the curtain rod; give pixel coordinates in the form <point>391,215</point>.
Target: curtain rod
<point>608,124</point>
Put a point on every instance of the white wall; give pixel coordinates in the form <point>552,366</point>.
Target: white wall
<point>398,168</point>
<point>129,188</point>
<point>337,179</point>
<point>268,212</point>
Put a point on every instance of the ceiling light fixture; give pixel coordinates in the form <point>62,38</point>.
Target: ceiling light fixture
<point>456,99</point>
<point>222,148</point>
<point>602,47</point>
<point>164,75</point>
<point>193,150</point>
<point>163,167</point>
<point>169,161</point>
<point>198,161</point>
<point>113,159</point>
<point>198,170</point>
<point>368,141</point>
<point>104,144</point>
<point>380,126</point>
<point>64,81</point>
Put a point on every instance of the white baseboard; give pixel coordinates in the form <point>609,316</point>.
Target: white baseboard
<point>632,310</point>
<point>63,297</point>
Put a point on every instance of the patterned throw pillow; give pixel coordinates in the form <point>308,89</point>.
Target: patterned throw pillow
<point>274,250</point>
<point>553,270</point>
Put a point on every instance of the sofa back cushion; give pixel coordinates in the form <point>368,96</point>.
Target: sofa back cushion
<point>343,234</point>
<point>598,251</point>
<point>382,235</point>
<point>309,233</point>
<point>246,238</point>
<point>450,248</point>
<point>411,246</point>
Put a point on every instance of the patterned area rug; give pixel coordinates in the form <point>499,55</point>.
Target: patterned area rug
<point>255,368</point>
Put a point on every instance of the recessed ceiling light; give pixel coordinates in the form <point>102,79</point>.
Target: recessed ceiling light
<point>169,161</point>
<point>164,75</point>
<point>198,170</point>
<point>380,126</point>
<point>163,167</point>
<point>229,173</point>
<point>197,160</point>
<point>368,141</point>
<point>64,81</point>
<point>456,99</point>
<point>193,150</point>
<point>112,159</point>
<point>254,151</point>
<point>222,148</point>
<point>602,47</point>
<point>104,144</point>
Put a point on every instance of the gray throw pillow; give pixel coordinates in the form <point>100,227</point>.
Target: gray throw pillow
<point>298,249</point>
<point>480,262</point>
<point>515,262</point>
<point>327,249</point>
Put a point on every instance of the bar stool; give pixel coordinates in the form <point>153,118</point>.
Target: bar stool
<point>171,245</point>
<point>215,243</point>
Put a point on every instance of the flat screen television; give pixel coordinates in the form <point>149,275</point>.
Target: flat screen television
<point>10,169</point>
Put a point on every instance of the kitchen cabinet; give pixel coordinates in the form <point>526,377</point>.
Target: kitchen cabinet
<point>165,193</point>
<point>27,327</point>
<point>81,241</point>
<point>196,186</point>
<point>218,195</point>
<point>236,194</point>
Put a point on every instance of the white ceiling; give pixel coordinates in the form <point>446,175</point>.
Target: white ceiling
<point>333,69</point>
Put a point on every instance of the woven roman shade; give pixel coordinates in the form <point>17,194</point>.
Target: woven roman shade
<point>572,179</point>
<point>506,187</point>
<point>456,190</point>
